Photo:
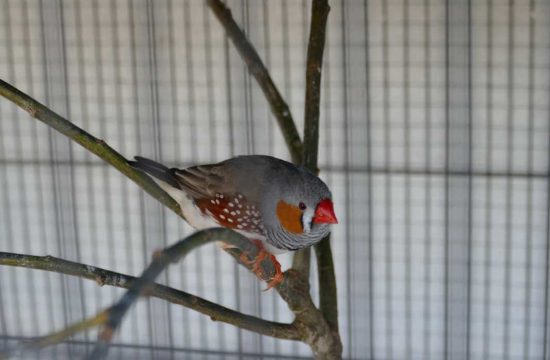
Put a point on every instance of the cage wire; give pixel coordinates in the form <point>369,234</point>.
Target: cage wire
<point>434,140</point>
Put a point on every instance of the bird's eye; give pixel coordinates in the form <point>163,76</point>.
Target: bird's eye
<point>302,206</point>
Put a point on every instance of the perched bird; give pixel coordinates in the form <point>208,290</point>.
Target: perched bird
<point>278,205</point>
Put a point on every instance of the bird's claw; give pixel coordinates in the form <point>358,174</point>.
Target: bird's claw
<point>257,265</point>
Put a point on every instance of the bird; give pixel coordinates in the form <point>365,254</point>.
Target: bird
<point>279,206</point>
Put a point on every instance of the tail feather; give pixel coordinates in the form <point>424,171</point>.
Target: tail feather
<point>154,169</point>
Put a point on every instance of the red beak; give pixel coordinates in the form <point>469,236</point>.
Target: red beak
<point>325,213</point>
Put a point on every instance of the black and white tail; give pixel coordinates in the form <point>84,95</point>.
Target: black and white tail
<point>155,170</point>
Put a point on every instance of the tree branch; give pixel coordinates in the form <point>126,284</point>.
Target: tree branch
<point>327,280</point>
<point>106,277</point>
<point>88,141</point>
<point>160,262</point>
<point>315,50</point>
<point>257,68</point>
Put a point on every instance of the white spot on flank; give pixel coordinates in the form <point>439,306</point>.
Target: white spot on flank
<point>239,226</point>
<point>230,220</point>
<point>238,212</point>
<point>212,201</point>
<point>232,212</point>
<point>225,211</point>
<point>221,196</point>
<point>222,217</point>
<point>231,204</point>
<point>236,201</point>
<point>217,202</point>
<point>240,196</point>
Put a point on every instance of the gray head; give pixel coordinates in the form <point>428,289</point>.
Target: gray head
<point>297,207</point>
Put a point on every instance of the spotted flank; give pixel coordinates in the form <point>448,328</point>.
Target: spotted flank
<point>233,211</point>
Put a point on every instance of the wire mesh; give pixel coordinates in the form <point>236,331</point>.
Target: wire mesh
<point>434,140</point>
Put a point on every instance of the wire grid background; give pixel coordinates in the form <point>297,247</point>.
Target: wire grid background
<point>434,139</point>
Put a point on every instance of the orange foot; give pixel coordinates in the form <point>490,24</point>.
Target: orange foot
<point>257,262</point>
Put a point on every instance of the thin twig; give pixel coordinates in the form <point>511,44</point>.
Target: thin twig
<point>257,68</point>
<point>88,141</point>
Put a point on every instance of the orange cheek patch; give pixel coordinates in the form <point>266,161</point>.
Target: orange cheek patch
<point>290,217</point>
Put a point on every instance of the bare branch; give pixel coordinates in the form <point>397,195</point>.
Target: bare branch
<point>105,277</point>
<point>88,141</point>
<point>315,50</point>
<point>257,68</point>
<point>161,260</point>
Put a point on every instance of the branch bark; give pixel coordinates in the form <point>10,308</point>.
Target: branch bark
<point>327,279</point>
<point>160,262</point>
<point>106,277</point>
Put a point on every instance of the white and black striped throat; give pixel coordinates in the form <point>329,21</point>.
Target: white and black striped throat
<point>282,239</point>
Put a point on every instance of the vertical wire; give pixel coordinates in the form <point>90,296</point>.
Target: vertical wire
<point>52,278</point>
<point>248,119</point>
<point>368,105</point>
<point>7,214</point>
<point>7,222</point>
<point>270,136</point>
<point>406,155</point>
<point>72,178</point>
<point>270,121</point>
<point>101,98</point>
<point>286,53</point>
<point>157,130</point>
<point>447,182</point>
<point>84,101</point>
<point>546,304</point>
<point>61,213</point>
<point>387,184</point>
<point>347,182</point>
<point>427,204</point>
<point>22,184</point>
<point>509,181</point>
<point>176,117</point>
<point>74,203</point>
<point>248,111</point>
<point>530,165</point>
<point>470,189</point>
<point>487,293</point>
<point>89,181</point>
<point>20,174</point>
<point>36,168</point>
<point>229,105</point>
<point>210,94</point>
<point>122,143</point>
<point>194,145</point>
<point>142,217</point>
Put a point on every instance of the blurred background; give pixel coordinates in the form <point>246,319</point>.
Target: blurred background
<point>434,139</point>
